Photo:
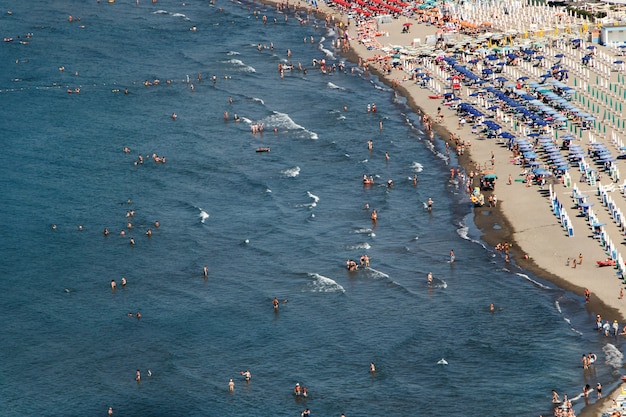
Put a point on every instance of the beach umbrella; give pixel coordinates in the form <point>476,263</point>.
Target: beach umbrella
<point>407,24</point>
<point>545,172</point>
<point>524,78</point>
<point>559,56</point>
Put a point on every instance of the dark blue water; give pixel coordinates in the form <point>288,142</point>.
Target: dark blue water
<point>278,224</point>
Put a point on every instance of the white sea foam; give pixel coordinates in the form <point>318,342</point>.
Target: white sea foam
<point>328,52</point>
<point>320,283</point>
<point>376,273</point>
<point>161,12</point>
<point>267,190</point>
<point>463,232</point>
<point>417,167</point>
<point>180,15</point>
<point>230,53</point>
<point>439,283</point>
<point>203,215</point>
<point>538,284</point>
<point>442,156</point>
<point>291,172</point>
<point>282,121</point>
<point>558,306</point>
<point>612,356</point>
<point>363,245</point>
<point>363,230</point>
<point>239,64</point>
<point>334,86</point>
<point>314,197</point>
<point>258,100</point>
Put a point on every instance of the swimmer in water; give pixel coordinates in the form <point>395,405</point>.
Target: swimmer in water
<point>492,307</point>
<point>123,282</point>
<point>430,278</point>
<point>372,367</point>
<point>205,271</point>
<point>231,386</point>
<point>275,303</point>
<point>246,375</point>
<point>451,256</point>
<point>138,375</point>
<point>113,285</point>
<point>430,204</point>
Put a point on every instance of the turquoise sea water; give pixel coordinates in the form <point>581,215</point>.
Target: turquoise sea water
<point>278,224</point>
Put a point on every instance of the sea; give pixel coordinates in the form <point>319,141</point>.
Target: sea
<point>271,224</point>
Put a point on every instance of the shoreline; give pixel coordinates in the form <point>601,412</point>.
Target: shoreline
<point>509,220</point>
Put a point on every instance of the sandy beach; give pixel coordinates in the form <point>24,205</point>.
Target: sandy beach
<point>523,216</point>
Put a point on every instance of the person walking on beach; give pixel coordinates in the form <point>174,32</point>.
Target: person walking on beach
<point>599,390</point>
